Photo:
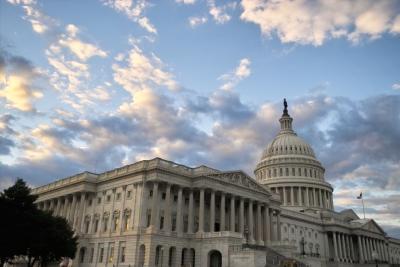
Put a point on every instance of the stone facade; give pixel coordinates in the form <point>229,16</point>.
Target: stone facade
<point>159,213</point>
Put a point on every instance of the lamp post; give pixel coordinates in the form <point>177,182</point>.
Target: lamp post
<point>375,257</point>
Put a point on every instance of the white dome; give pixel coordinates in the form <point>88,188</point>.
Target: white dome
<point>288,166</point>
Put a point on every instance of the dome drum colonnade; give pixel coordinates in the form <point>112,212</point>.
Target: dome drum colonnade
<point>289,167</point>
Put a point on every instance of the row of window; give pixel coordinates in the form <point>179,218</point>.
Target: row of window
<point>103,256</point>
<point>313,173</point>
<point>117,197</point>
<point>290,149</point>
<point>115,223</point>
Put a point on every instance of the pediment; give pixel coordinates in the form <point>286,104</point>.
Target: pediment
<point>373,227</point>
<point>239,178</point>
<point>349,215</point>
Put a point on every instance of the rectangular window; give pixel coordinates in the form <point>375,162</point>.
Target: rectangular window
<point>99,200</point>
<point>118,196</point>
<point>87,226</point>
<point>105,222</point>
<point>96,225</point>
<point>90,202</point>
<point>163,195</point>
<point>91,255</point>
<point>101,254</point>
<point>108,198</point>
<point>122,254</point>
<point>293,172</point>
<point>126,223</point>
<point>128,194</point>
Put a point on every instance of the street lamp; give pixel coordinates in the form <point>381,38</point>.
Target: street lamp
<point>375,256</point>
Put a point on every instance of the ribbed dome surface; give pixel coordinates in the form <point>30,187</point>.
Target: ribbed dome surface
<point>288,144</point>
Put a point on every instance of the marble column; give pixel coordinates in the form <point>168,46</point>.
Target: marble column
<point>346,247</point>
<point>278,225</point>
<point>241,216</point>
<point>315,197</point>
<point>340,254</point>
<point>320,198</point>
<point>65,207</point>
<point>154,206</point>
<point>353,256</point>
<point>250,221</point>
<point>167,210</point>
<point>284,196</point>
<point>201,211</point>
<point>267,225</point>
<point>58,207</point>
<point>335,246</point>
<point>291,196</point>
<point>191,210</point>
<point>72,210</point>
<point>360,250</point>
<point>259,219</point>
<point>212,211</point>
<point>300,201</point>
<point>179,212</point>
<point>307,197</point>
<point>79,212</point>
<point>222,212</point>
<point>233,215</point>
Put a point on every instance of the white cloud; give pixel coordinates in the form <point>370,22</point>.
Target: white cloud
<point>186,2</point>
<point>81,49</point>
<point>134,10</point>
<point>314,22</point>
<point>141,72</point>
<point>40,22</point>
<point>196,21</point>
<point>220,13</point>
<point>396,86</point>
<point>233,78</point>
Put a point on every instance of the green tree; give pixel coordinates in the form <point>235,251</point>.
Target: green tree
<point>30,232</point>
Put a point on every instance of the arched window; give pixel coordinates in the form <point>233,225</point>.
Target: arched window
<point>142,254</point>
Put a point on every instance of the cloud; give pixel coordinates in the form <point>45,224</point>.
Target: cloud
<point>17,83</point>
<point>314,22</point>
<point>82,50</point>
<point>220,14</point>
<point>134,10</point>
<point>40,22</point>
<point>142,72</point>
<point>396,86</point>
<point>233,78</point>
<point>186,2</point>
<point>197,21</point>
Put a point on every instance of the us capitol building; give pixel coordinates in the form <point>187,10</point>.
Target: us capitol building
<point>160,213</point>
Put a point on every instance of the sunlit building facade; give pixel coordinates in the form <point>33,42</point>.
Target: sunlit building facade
<point>159,213</point>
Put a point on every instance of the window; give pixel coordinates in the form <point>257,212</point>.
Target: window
<point>118,196</point>
<point>274,172</point>
<point>91,255</point>
<point>299,171</point>
<point>293,172</point>
<point>122,254</point>
<point>287,171</point>
<point>305,172</point>
<point>108,198</point>
<point>96,225</point>
<point>99,200</point>
<point>111,253</point>
<point>175,198</point>
<point>162,222</point>
<point>105,224</point>
<point>186,201</point>
<point>148,218</point>
<point>90,202</point>
<point>269,173</point>
<point>101,254</point>
<point>163,195</point>
<point>310,173</point>
<point>128,194</point>
<point>280,172</point>
<point>87,222</point>
<point>151,193</point>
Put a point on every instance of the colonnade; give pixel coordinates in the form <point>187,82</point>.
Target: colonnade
<point>345,250</point>
<point>70,206</point>
<point>236,213</point>
<point>305,196</point>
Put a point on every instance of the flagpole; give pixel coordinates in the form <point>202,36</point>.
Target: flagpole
<point>362,200</point>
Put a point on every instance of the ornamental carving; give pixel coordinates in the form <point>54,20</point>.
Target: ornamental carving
<point>116,214</point>
<point>238,178</point>
<point>96,216</point>
<point>127,212</point>
<point>106,214</point>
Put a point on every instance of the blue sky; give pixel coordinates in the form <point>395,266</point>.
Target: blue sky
<point>93,85</point>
